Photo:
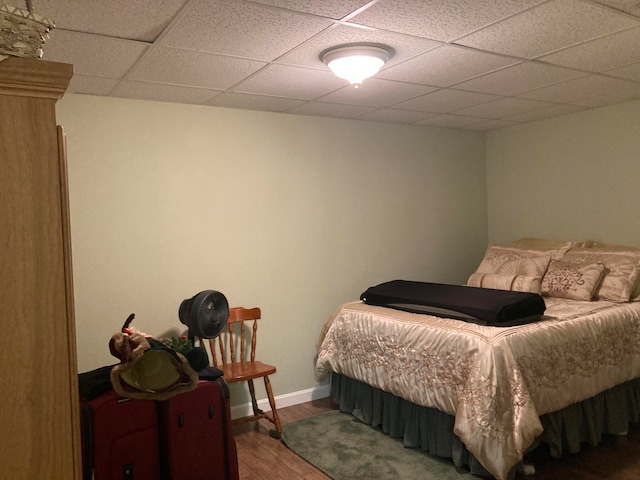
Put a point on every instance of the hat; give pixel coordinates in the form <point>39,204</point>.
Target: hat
<point>149,369</point>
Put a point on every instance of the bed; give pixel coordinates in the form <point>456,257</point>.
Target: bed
<point>498,391</point>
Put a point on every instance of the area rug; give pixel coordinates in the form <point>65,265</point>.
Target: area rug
<point>346,449</point>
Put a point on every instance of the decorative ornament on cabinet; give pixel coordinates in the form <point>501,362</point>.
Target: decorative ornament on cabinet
<point>22,31</point>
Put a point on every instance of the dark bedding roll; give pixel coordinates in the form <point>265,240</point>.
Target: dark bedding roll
<point>479,305</point>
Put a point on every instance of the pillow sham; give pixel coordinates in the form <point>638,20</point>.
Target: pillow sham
<point>613,246</point>
<point>514,261</point>
<point>572,281</point>
<point>557,248</point>
<point>622,270</point>
<point>515,283</point>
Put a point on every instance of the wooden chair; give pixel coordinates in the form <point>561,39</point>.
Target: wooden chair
<point>234,353</point>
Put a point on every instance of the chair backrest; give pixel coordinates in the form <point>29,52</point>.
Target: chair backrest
<point>234,344</point>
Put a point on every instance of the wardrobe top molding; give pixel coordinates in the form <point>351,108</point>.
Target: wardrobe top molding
<point>29,77</point>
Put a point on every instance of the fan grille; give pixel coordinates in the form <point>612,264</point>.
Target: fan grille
<point>205,313</point>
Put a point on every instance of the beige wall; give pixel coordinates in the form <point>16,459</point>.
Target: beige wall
<point>293,214</point>
<point>573,177</point>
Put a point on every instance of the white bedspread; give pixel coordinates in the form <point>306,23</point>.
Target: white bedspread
<point>495,381</point>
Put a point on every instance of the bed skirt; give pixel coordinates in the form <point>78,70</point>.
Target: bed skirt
<point>432,430</point>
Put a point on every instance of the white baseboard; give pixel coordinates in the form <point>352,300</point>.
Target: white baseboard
<point>286,400</point>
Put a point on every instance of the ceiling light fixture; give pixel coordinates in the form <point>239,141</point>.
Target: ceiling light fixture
<point>356,62</point>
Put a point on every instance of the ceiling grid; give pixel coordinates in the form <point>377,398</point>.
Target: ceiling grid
<point>472,64</point>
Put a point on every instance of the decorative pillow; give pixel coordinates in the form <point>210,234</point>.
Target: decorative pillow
<point>604,246</point>
<point>555,248</point>
<point>622,270</point>
<point>573,281</point>
<point>514,261</point>
<point>515,283</point>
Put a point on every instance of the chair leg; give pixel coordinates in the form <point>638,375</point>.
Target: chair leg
<point>254,403</point>
<point>274,411</point>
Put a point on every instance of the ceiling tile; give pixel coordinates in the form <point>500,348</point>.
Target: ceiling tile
<point>630,72</point>
<point>519,78</point>
<point>376,93</point>
<point>611,98</point>
<point>330,110</point>
<point>254,102</point>
<point>548,27</point>
<point>600,54</point>
<point>450,121</point>
<point>442,20</point>
<point>91,85</point>
<point>445,101</point>
<point>446,66</point>
<point>491,124</point>
<point>504,107</point>
<point>395,116</point>
<point>291,82</point>
<point>264,32</point>
<point>113,18</point>
<point>580,89</point>
<point>546,112</point>
<point>630,6</point>
<point>335,9</point>
<point>182,67</point>
<point>162,92</point>
<point>93,54</point>
<point>308,54</point>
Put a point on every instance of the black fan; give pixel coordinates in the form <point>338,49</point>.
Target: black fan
<point>205,314</point>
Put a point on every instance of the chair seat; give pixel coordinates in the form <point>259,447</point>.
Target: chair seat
<point>243,371</point>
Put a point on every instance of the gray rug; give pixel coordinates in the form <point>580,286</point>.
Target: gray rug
<point>346,449</point>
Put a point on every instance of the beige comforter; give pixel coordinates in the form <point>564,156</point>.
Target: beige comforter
<point>495,381</point>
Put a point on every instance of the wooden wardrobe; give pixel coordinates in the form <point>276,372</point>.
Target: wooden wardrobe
<point>39,416</point>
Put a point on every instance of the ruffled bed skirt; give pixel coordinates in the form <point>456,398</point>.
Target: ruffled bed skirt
<point>432,431</point>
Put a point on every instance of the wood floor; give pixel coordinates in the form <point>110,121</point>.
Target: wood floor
<point>261,457</point>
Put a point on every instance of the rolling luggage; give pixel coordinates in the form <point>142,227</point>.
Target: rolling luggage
<point>196,440</point>
<point>188,436</point>
<point>119,438</point>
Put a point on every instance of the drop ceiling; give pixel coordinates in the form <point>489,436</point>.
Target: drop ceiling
<point>470,64</point>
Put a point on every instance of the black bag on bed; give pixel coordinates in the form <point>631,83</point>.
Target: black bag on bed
<point>486,306</point>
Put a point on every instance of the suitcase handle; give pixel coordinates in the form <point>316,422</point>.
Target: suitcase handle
<point>211,413</point>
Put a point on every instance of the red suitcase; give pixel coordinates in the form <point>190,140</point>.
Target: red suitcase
<point>196,439</point>
<point>120,438</point>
